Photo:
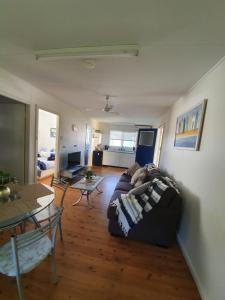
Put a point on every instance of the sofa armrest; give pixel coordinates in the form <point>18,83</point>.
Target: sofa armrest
<point>111,212</point>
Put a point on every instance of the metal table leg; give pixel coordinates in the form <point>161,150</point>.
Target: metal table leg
<point>87,194</point>
<point>88,199</point>
<point>99,191</point>
<point>81,196</point>
<point>84,193</point>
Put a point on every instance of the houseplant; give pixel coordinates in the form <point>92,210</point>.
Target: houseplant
<point>89,174</point>
<point>5,178</point>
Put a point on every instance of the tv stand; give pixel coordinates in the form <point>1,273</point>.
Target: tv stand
<point>72,172</point>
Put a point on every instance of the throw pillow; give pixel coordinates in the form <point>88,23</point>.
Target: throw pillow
<point>152,173</point>
<point>137,174</point>
<point>133,169</point>
<point>150,166</point>
<point>140,189</point>
<point>141,179</point>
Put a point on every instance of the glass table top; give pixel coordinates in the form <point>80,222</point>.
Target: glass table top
<point>88,185</point>
<point>16,211</point>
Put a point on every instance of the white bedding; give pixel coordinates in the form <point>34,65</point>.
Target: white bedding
<point>50,164</point>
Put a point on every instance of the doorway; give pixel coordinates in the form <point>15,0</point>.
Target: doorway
<point>87,144</point>
<point>158,146</point>
<point>47,144</point>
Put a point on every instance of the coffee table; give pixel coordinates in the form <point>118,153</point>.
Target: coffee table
<point>86,187</point>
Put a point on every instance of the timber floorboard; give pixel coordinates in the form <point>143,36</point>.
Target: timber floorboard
<point>92,264</point>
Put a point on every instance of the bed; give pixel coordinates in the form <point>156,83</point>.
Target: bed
<point>45,166</point>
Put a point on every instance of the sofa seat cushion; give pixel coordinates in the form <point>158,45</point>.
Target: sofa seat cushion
<point>125,178</point>
<point>124,186</point>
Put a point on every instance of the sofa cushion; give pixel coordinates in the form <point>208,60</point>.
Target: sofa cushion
<point>152,173</point>
<point>133,169</point>
<point>139,173</point>
<point>141,179</point>
<point>123,186</point>
<point>140,189</point>
<point>125,178</point>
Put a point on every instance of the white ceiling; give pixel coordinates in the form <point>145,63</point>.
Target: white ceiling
<point>179,41</point>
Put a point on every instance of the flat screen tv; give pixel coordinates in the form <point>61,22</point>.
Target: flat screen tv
<point>73,159</point>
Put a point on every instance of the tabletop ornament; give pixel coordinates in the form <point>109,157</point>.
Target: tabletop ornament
<point>8,186</point>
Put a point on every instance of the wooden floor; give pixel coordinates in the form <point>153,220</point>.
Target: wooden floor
<point>94,265</point>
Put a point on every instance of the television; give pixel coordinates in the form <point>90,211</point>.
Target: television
<point>73,159</point>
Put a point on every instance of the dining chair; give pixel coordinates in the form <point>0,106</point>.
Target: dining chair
<point>27,250</point>
<point>45,214</point>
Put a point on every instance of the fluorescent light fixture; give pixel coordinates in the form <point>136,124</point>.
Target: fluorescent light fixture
<point>88,52</point>
<point>143,125</point>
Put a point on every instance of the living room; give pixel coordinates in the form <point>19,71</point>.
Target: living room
<point>65,58</point>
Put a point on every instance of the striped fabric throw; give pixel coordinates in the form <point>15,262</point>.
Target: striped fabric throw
<point>129,208</point>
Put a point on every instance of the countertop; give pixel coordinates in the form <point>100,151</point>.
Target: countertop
<point>120,151</point>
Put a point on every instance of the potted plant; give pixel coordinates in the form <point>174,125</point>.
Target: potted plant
<point>5,178</point>
<point>89,175</point>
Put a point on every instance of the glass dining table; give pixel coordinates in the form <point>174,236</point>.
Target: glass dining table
<point>34,198</point>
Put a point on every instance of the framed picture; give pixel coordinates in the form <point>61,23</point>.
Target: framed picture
<point>189,128</point>
<point>53,132</point>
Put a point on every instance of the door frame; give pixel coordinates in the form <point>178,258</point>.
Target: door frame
<point>57,160</point>
<point>158,146</point>
<point>27,142</point>
<point>87,137</point>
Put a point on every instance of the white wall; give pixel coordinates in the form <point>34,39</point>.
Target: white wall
<point>201,176</point>
<point>46,121</point>
<point>106,127</point>
<point>70,141</point>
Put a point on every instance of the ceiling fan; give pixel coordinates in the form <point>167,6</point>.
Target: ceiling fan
<point>108,108</point>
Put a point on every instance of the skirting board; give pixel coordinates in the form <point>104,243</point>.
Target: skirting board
<point>192,269</point>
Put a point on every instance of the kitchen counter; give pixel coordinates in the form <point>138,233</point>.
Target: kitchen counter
<point>121,151</point>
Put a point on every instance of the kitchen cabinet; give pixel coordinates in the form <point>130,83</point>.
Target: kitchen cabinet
<point>118,159</point>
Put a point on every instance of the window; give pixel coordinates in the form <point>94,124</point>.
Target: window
<point>122,139</point>
<point>146,138</point>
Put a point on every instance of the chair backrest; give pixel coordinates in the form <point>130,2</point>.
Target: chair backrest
<point>26,239</point>
<point>61,184</point>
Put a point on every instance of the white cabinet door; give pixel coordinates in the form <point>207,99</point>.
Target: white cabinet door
<point>131,160</point>
<point>108,158</point>
<point>124,160</point>
<point>116,159</point>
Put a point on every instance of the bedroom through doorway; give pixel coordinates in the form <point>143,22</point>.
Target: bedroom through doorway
<point>47,144</point>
